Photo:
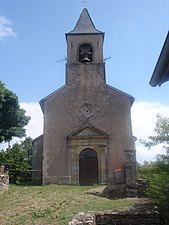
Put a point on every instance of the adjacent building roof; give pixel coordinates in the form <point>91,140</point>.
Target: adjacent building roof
<point>85,25</point>
<point>161,71</point>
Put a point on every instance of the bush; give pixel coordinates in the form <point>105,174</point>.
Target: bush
<point>157,174</point>
<point>158,189</point>
<point>19,157</point>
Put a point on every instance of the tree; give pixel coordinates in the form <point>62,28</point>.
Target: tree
<point>159,178</point>
<point>161,133</point>
<point>12,117</point>
<point>19,157</point>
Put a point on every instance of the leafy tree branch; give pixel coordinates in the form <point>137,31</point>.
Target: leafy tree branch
<point>12,117</point>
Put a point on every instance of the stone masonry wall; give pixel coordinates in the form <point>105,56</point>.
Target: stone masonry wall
<point>63,117</point>
<point>37,159</point>
<point>144,213</point>
<point>4,178</point>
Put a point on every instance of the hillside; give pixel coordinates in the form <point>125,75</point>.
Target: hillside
<point>53,204</point>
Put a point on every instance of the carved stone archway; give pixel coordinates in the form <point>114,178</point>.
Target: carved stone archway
<point>88,138</point>
<point>88,167</point>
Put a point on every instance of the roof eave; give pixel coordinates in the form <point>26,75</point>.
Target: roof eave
<point>161,71</point>
<point>72,34</point>
<point>42,101</point>
<point>132,99</point>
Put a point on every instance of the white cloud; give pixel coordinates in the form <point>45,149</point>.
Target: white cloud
<point>143,121</point>
<point>35,126</point>
<point>144,154</point>
<point>5,28</point>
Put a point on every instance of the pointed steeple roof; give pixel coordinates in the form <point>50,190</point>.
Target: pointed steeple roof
<point>85,24</point>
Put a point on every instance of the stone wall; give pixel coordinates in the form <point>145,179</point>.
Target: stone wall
<point>37,159</point>
<point>142,187</point>
<point>4,178</point>
<point>130,169</point>
<point>141,213</point>
<point>64,116</point>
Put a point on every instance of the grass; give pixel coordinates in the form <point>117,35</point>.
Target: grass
<point>53,204</point>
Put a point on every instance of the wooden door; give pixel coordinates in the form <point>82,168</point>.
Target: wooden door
<point>88,167</point>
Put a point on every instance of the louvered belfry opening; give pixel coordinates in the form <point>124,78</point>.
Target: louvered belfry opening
<point>88,167</point>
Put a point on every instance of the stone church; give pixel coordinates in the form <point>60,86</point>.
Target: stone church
<point>87,123</point>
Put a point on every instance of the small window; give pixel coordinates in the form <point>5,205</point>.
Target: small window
<point>85,53</point>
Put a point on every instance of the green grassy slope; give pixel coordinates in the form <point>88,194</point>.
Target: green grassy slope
<point>53,204</point>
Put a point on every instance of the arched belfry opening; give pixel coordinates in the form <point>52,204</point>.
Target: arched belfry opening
<point>88,167</point>
<point>85,53</point>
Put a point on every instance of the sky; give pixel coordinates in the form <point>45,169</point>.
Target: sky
<point>32,40</point>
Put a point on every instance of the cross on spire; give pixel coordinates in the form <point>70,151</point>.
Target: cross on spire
<point>85,2</point>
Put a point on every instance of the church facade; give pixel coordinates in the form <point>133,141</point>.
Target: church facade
<point>87,123</point>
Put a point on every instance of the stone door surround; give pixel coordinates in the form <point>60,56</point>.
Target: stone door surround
<point>88,137</point>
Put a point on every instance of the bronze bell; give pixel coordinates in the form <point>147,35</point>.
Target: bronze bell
<point>85,59</point>
<point>85,53</point>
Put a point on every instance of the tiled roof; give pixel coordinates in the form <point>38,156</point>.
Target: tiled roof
<point>84,24</point>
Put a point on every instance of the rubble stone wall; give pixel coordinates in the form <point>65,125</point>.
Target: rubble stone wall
<point>145,213</point>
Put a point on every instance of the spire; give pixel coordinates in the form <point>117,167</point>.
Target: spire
<point>84,25</point>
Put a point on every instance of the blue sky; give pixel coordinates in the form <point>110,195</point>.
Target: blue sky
<point>32,38</point>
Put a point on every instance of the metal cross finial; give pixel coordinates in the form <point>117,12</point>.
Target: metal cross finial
<point>85,2</point>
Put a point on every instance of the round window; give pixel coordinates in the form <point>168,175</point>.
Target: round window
<point>87,110</point>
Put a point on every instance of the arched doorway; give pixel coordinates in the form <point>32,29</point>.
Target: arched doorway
<point>88,167</point>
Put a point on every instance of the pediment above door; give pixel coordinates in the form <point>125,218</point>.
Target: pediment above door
<point>88,131</point>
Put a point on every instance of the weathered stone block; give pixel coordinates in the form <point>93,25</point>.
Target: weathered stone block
<point>4,181</point>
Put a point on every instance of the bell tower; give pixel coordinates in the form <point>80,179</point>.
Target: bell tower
<point>87,123</point>
<point>84,44</point>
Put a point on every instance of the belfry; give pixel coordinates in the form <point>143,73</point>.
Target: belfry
<point>87,123</point>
